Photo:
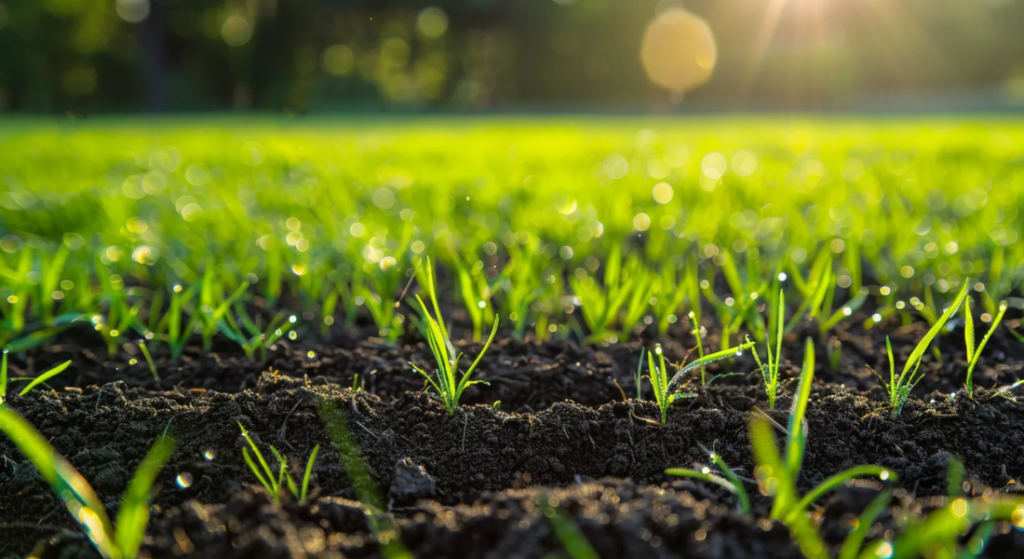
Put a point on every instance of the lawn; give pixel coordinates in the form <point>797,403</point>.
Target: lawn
<point>286,301</point>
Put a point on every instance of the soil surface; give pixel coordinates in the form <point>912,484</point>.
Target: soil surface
<point>568,440</point>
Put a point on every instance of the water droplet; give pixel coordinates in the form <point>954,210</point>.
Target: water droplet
<point>847,311</point>
<point>311,354</point>
<point>177,288</point>
<point>184,480</point>
<point>293,335</point>
<point>133,361</point>
<point>782,276</point>
<point>6,350</point>
<point>883,476</point>
<point>209,454</point>
<point>292,319</point>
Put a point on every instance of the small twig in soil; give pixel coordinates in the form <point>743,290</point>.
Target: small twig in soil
<point>284,424</point>
<point>372,434</point>
<point>772,421</point>
<point>465,426</point>
<point>621,391</point>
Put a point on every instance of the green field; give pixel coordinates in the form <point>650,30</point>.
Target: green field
<point>689,250</point>
<point>532,216</point>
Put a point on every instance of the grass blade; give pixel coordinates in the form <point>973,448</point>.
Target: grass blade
<point>856,537</point>
<point>133,513</point>
<point>45,377</point>
<point>831,483</point>
<point>78,496</point>
<point>308,472</point>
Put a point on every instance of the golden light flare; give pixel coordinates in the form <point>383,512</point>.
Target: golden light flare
<point>678,51</point>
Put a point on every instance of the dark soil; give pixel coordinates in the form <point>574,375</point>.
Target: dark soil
<point>474,484</point>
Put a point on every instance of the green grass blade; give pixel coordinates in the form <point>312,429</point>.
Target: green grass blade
<point>256,472</point>
<point>256,451</point>
<point>915,357</point>
<point>3,377</point>
<point>854,540</point>
<point>639,373</point>
<point>309,472</point>
<point>494,330</point>
<point>568,532</point>
<point>984,341</point>
<point>831,483</point>
<point>703,476</point>
<point>741,492</point>
<point>772,475</point>
<point>45,377</point>
<point>797,439</point>
<point>133,513</point>
<point>717,356</point>
<point>780,330</point>
<point>969,330</point>
<point>78,496</point>
<point>843,312</point>
<point>284,475</point>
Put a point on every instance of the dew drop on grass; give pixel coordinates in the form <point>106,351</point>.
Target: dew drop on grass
<point>209,454</point>
<point>293,335</point>
<point>782,276</point>
<point>184,480</point>
<point>883,476</point>
<point>876,317</point>
<point>311,354</point>
<point>133,361</point>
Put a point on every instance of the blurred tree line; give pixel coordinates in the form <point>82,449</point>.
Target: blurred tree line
<point>87,56</point>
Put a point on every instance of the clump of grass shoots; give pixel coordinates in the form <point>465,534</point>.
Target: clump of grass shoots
<point>664,391</point>
<point>770,372</point>
<point>271,482</point>
<point>899,387</point>
<point>444,380</point>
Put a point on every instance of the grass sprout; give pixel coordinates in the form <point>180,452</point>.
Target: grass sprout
<point>445,380</point>
<point>149,360</point>
<point>272,482</point>
<point>731,482</point>
<point>664,391</point>
<point>899,387</point>
<point>770,372</point>
<point>974,353</point>
<point>79,497</point>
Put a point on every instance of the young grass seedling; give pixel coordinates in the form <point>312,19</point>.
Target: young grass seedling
<point>34,381</point>
<point>973,354</point>
<point>79,497</point>
<point>266,477</point>
<point>149,359</point>
<point>899,387</point>
<point>664,393</point>
<point>444,381</point>
<point>731,482</point>
<point>770,373</point>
